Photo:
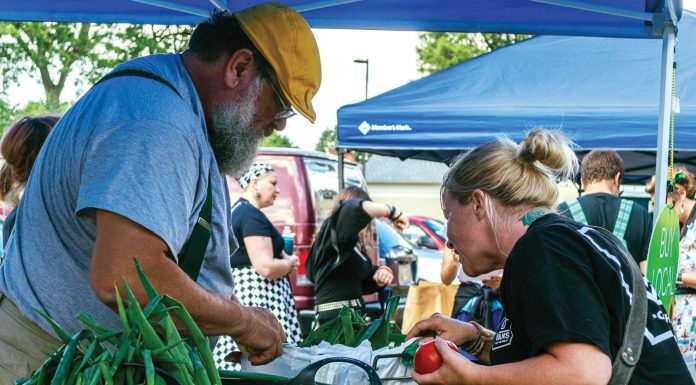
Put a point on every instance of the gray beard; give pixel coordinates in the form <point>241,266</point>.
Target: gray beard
<point>236,141</point>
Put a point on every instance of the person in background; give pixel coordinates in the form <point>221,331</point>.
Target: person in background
<point>650,189</point>
<point>136,169</point>
<point>20,147</point>
<point>685,296</point>
<point>338,264</point>
<point>566,290</point>
<point>601,172</point>
<point>477,298</point>
<point>260,266</point>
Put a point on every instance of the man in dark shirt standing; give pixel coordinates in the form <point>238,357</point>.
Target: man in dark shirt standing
<point>600,173</point>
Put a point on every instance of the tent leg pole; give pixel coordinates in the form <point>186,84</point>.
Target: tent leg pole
<point>341,178</point>
<point>663,129</point>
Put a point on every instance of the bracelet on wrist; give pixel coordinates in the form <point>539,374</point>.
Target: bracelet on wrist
<point>479,345</point>
<point>392,211</point>
<point>679,279</point>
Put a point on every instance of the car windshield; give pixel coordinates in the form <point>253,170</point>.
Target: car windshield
<point>389,238</point>
<point>323,178</point>
<point>437,227</point>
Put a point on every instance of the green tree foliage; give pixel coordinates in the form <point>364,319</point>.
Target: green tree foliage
<point>51,52</point>
<point>327,140</point>
<point>278,140</point>
<point>439,50</point>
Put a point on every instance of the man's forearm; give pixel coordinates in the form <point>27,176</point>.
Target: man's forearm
<point>214,314</point>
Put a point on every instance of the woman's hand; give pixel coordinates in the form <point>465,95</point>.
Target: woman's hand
<point>461,333</point>
<point>383,276</point>
<point>294,261</point>
<point>401,223</point>
<point>455,368</point>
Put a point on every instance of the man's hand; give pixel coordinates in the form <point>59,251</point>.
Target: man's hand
<point>262,336</point>
<point>492,282</point>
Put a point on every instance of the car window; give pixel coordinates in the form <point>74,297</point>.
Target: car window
<point>437,227</point>
<point>389,238</point>
<point>413,233</point>
<point>323,180</point>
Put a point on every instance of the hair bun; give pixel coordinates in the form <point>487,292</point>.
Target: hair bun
<point>551,149</point>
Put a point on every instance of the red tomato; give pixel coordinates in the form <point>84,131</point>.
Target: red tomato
<point>427,359</point>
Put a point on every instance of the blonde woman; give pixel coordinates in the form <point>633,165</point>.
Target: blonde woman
<point>565,292</point>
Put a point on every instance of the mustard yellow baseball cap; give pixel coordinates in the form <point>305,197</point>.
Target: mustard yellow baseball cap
<point>285,40</point>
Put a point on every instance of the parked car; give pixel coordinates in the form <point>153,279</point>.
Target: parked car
<point>425,232</point>
<point>395,246</point>
<point>308,182</point>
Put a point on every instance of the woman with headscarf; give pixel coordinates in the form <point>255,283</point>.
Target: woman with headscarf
<point>568,290</point>
<point>260,266</point>
<point>338,263</point>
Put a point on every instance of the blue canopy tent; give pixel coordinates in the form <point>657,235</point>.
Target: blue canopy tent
<point>601,92</point>
<point>616,18</point>
<point>611,18</point>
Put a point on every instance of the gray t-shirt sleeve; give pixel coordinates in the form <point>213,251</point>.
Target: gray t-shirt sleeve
<point>146,171</point>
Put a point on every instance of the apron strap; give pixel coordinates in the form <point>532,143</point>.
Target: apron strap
<point>622,219</point>
<point>192,254</point>
<point>576,211</point>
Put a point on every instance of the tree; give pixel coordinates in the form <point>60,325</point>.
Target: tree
<point>278,140</point>
<point>327,140</point>
<point>52,52</point>
<point>439,50</point>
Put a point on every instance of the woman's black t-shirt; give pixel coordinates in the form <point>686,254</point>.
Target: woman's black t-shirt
<point>248,221</point>
<point>564,282</point>
<point>350,275</point>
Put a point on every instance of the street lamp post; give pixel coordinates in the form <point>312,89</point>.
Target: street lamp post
<point>367,71</point>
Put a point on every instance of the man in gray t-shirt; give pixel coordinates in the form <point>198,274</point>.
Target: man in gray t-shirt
<point>126,172</point>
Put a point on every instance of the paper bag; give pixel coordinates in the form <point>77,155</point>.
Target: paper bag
<point>427,298</point>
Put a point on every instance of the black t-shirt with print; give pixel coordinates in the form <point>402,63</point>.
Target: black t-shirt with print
<point>249,221</point>
<point>564,282</point>
<point>601,210</point>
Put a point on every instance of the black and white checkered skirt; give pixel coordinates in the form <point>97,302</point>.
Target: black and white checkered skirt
<point>254,290</point>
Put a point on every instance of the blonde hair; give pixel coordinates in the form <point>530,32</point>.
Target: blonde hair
<point>524,174</point>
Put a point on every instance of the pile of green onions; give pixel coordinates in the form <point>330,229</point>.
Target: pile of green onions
<point>149,350</point>
<point>351,329</point>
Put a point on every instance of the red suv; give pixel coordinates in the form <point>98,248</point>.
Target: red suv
<point>308,182</point>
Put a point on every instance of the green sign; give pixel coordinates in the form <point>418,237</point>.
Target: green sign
<point>664,255</point>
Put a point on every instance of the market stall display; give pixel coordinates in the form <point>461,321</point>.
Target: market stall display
<point>149,350</point>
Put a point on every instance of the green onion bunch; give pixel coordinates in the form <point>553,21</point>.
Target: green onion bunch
<point>351,329</point>
<point>148,351</point>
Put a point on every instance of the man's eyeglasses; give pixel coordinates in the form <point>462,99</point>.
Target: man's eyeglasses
<point>288,111</point>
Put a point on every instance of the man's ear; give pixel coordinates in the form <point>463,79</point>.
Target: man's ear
<point>617,178</point>
<point>239,65</point>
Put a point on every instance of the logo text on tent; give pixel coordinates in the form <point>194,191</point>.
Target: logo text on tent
<point>366,127</point>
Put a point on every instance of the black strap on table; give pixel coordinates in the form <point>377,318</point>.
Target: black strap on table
<point>192,254</point>
<point>629,353</point>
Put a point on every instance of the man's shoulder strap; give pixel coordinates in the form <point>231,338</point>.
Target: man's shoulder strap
<point>139,73</point>
<point>576,211</point>
<point>622,218</point>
